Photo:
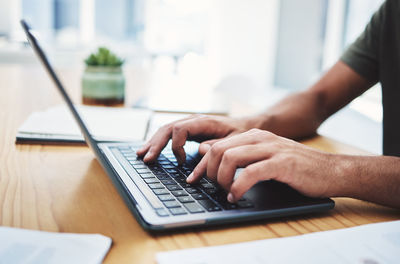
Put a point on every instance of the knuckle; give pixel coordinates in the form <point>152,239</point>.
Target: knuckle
<point>216,149</point>
<point>254,130</point>
<point>166,127</point>
<point>177,128</point>
<point>275,146</point>
<point>260,134</point>
<point>229,156</point>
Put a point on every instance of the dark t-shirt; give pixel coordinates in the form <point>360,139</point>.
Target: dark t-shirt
<point>375,55</point>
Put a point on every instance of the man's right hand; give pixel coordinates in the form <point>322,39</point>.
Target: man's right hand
<point>200,128</point>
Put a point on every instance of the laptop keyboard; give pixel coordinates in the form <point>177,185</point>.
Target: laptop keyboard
<point>167,180</point>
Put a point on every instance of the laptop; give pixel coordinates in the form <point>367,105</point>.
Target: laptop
<point>159,197</point>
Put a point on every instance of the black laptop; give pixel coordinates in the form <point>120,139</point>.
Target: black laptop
<point>159,197</point>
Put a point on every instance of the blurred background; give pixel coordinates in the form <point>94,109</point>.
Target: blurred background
<point>255,51</point>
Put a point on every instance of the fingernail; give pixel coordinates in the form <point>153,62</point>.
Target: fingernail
<point>190,177</point>
<point>230,198</point>
<point>147,156</point>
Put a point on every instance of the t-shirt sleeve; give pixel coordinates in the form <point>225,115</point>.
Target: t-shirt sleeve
<point>362,55</point>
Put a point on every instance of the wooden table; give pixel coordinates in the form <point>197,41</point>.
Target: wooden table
<point>64,189</point>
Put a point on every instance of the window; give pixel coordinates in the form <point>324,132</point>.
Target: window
<point>75,22</point>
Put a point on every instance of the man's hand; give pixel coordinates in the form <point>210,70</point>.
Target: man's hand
<point>201,128</point>
<point>266,156</point>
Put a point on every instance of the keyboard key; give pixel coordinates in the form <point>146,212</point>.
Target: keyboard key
<point>175,175</point>
<point>211,191</point>
<point>186,185</point>
<point>219,196</point>
<point>207,186</point>
<point>185,199</point>
<point>157,170</point>
<point>177,211</point>
<point>124,148</point>
<point>140,166</point>
<point>168,182</point>
<point>187,172</point>
<point>192,190</point>
<point>168,166</point>
<point>173,187</point>
<point>187,166</point>
<point>160,191</point>
<point>143,170</point>
<point>162,212</point>
<point>209,205</point>
<point>172,171</point>
<point>202,180</point>
<point>151,180</point>
<point>180,179</point>
<point>162,176</point>
<point>245,204</point>
<point>199,196</point>
<point>229,206</point>
<point>179,193</point>
<point>135,162</point>
<point>156,186</point>
<point>193,208</point>
<point>166,197</point>
<point>146,175</point>
<point>172,204</point>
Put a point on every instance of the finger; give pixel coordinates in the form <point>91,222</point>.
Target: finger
<point>218,149</point>
<point>239,157</point>
<point>158,143</point>
<point>199,171</point>
<point>143,150</point>
<point>253,173</point>
<point>206,145</point>
<point>187,129</point>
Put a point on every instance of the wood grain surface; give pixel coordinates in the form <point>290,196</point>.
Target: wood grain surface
<point>64,189</point>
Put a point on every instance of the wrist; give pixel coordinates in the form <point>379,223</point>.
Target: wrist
<point>257,121</point>
<point>344,175</point>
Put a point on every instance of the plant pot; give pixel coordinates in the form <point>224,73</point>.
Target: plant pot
<point>102,85</point>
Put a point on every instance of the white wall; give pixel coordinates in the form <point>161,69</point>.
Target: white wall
<point>10,11</point>
<point>242,41</point>
<point>300,43</point>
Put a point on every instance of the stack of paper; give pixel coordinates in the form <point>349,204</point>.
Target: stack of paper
<point>19,246</point>
<point>368,244</point>
<point>56,124</point>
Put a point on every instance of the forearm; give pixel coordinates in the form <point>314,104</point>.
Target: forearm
<point>300,114</point>
<point>296,116</point>
<point>371,178</point>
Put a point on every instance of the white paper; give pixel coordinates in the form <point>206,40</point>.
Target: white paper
<point>160,119</point>
<point>104,123</point>
<point>368,244</point>
<point>19,246</point>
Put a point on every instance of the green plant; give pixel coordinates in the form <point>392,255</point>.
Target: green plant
<point>104,57</point>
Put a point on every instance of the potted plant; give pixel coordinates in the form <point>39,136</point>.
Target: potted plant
<point>103,81</point>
